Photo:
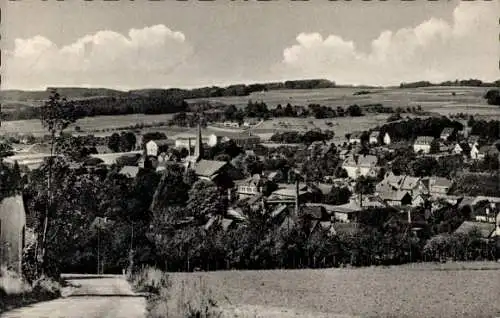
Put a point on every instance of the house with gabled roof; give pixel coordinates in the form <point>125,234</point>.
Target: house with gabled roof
<point>396,198</point>
<point>157,146</point>
<point>249,187</point>
<point>473,140</point>
<point>423,144</point>
<point>355,137</point>
<point>360,165</point>
<point>446,133</point>
<point>374,137</point>
<point>208,169</point>
<point>485,230</point>
<point>242,140</point>
<point>486,211</point>
<point>461,148</point>
<point>438,185</point>
<point>129,171</point>
<point>387,139</point>
<point>394,183</point>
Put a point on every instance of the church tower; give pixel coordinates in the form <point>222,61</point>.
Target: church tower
<point>198,150</point>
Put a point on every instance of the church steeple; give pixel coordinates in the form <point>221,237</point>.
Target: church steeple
<point>198,150</point>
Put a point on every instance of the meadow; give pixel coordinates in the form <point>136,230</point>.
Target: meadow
<point>420,290</point>
<point>443,100</point>
<point>340,125</point>
<point>87,124</point>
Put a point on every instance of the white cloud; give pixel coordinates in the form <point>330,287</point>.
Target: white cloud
<point>143,58</point>
<point>434,50</point>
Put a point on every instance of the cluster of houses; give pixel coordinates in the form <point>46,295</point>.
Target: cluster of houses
<point>450,141</point>
<point>289,200</point>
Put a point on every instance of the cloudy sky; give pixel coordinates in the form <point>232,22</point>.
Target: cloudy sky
<point>138,44</point>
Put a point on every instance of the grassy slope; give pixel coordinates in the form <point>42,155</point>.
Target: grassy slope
<point>435,99</point>
<point>422,290</point>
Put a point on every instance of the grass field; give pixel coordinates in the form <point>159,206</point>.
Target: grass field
<point>436,99</point>
<point>341,125</point>
<point>86,124</point>
<point>424,290</point>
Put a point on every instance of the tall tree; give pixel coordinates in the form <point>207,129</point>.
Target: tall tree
<point>56,115</point>
<point>205,199</point>
<point>114,142</point>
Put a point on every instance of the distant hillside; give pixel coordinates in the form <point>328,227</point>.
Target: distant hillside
<point>203,92</point>
<point>469,82</point>
<point>68,92</point>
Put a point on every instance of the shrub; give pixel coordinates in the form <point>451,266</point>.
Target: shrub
<point>149,280</point>
<point>11,283</point>
<point>15,291</point>
<point>168,300</point>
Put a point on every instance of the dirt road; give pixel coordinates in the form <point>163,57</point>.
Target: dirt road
<point>90,297</point>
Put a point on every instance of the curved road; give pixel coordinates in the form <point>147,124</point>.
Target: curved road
<point>91,296</point>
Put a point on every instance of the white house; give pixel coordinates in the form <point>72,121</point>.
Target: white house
<point>423,143</point>
<point>187,140</point>
<point>357,166</point>
<point>232,124</point>
<point>355,137</point>
<point>248,187</point>
<point>461,148</point>
<point>374,137</point>
<point>155,147</point>
<point>474,152</point>
<point>387,139</point>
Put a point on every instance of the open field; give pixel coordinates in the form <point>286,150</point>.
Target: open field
<point>436,99</point>
<point>340,125</point>
<point>422,290</point>
<point>86,124</point>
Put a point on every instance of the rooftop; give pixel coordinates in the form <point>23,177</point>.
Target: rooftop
<point>440,182</point>
<point>208,168</point>
<point>163,142</point>
<point>129,171</point>
<point>375,134</point>
<point>447,130</point>
<point>486,229</point>
<point>424,140</point>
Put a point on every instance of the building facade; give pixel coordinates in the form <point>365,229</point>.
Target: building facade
<point>12,232</point>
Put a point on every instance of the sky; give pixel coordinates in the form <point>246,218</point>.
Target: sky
<point>144,44</point>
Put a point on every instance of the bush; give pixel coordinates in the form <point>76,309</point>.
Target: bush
<point>149,280</point>
<point>11,283</point>
<point>16,292</point>
<point>168,300</point>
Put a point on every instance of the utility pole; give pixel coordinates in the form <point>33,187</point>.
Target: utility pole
<point>98,241</point>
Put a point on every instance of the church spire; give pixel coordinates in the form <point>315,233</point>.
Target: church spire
<point>198,150</point>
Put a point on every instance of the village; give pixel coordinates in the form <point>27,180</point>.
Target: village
<point>362,177</point>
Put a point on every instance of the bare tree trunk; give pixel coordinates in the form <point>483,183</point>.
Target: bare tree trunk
<point>48,205</point>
